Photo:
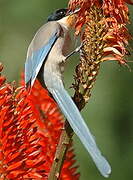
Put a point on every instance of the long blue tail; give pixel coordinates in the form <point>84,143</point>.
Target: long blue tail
<point>77,123</point>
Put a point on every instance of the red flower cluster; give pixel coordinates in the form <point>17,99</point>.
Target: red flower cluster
<point>117,36</point>
<point>110,7</point>
<point>115,17</point>
<point>30,127</point>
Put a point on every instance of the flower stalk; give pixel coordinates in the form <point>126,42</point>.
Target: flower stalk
<point>90,56</point>
<point>63,145</point>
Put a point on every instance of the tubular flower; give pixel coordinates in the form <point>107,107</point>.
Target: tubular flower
<point>104,37</point>
<point>30,127</point>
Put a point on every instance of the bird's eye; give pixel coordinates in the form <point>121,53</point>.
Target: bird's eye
<point>61,12</point>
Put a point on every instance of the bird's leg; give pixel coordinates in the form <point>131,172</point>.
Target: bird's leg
<point>75,51</point>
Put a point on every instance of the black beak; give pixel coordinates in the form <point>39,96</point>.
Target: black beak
<point>69,13</point>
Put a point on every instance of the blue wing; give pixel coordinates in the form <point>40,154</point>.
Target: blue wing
<point>34,63</point>
<point>77,123</point>
<point>39,49</point>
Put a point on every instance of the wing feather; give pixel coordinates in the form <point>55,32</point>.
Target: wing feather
<point>39,50</point>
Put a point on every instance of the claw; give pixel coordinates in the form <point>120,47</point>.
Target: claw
<point>75,51</point>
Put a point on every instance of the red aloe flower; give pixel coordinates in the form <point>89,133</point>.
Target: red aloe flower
<point>104,36</point>
<point>115,17</point>
<point>30,127</point>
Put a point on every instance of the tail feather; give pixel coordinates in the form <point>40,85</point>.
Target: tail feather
<point>77,123</point>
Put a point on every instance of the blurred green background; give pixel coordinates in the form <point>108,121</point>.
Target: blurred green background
<point>109,113</point>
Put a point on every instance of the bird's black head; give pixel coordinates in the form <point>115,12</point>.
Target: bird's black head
<point>57,15</point>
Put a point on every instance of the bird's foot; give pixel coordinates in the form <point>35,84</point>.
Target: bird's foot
<point>75,51</point>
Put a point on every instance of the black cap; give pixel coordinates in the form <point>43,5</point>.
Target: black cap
<point>57,15</point>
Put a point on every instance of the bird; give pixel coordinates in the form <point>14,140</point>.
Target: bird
<point>46,58</point>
